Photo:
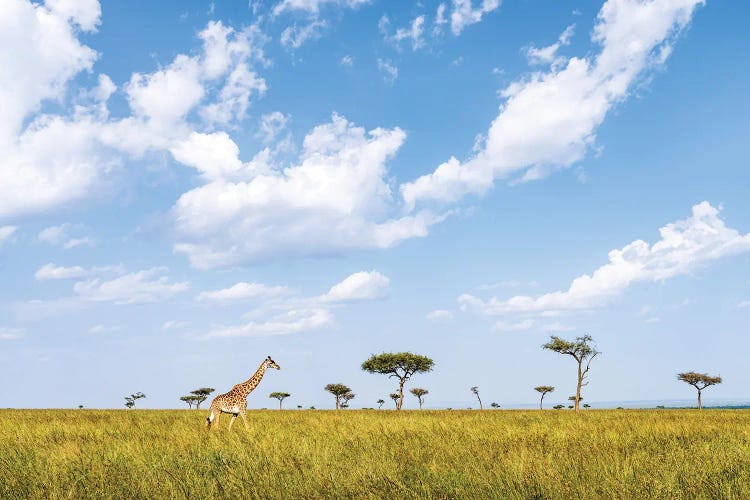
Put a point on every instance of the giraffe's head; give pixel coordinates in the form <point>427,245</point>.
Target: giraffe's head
<point>271,363</point>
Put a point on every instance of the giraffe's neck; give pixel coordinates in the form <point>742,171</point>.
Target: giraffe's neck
<point>247,387</point>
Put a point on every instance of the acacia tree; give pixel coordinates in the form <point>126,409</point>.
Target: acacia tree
<point>338,391</point>
<point>380,403</point>
<point>543,390</point>
<point>346,398</point>
<point>400,365</point>
<point>475,390</point>
<point>190,400</point>
<point>495,405</point>
<point>420,394</point>
<point>130,400</point>
<point>201,395</point>
<point>582,350</point>
<point>395,397</point>
<point>700,381</point>
<point>281,396</point>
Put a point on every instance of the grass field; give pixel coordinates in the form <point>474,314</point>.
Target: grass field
<point>375,454</point>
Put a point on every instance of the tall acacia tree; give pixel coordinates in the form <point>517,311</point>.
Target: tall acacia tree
<point>582,350</point>
<point>281,396</point>
<point>338,390</point>
<point>419,393</point>
<point>543,390</point>
<point>380,403</point>
<point>475,391</point>
<point>700,381</point>
<point>400,365</point>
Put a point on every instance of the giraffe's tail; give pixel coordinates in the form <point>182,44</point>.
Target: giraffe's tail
<point>210,418</point>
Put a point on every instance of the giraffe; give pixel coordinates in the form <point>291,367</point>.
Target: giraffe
<point>235,401</point>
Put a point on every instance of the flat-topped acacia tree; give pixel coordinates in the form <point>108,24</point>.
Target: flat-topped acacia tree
<point>582,350</point>
<point>281,396</point>
<point>401,365</point>
<point>543,390</point>
<point>190,400</point>
<point>380,403</point>
<point>130,400</point>
<point>419,393</point>
<point>700,381</point>
<point>201,395</point>
<point>338,390</point>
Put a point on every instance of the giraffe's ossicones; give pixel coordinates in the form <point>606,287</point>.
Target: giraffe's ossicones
<point>234,402</point>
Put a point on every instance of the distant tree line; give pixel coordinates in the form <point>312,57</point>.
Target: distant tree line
<point>402,366</point>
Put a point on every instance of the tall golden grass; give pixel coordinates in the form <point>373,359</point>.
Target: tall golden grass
<point>376,454</point>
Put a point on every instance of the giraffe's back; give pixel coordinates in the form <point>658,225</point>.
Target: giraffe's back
<point>229,402</point>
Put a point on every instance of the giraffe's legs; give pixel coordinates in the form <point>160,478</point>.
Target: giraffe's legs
<point>244,419</point>
<point>231,421</point>
<point>215,422</point>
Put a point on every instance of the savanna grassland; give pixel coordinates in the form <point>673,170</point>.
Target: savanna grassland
<point>376,454</point>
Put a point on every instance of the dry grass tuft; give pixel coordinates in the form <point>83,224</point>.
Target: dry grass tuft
<point>376,454</point>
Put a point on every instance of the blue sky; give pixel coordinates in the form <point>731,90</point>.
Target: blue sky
<point>187,187</point>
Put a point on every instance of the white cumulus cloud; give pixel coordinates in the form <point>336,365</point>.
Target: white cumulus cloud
<point>684,246</point>
<point>39,54</point>
<point>149,285</point>
<point>359,286</point>
<point>280,310</point>
<point>466,13</point>
<point>313,6</point>
<point>52,272</point>
<point>243,291</point>
<point>548,54</point>
<point>294,36</point>
<point>414,33</point>
<point>50,159</point>
<point>293,321</point>
<point>549,120</point>
<point>65,235</point>
<point>335,198</point>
